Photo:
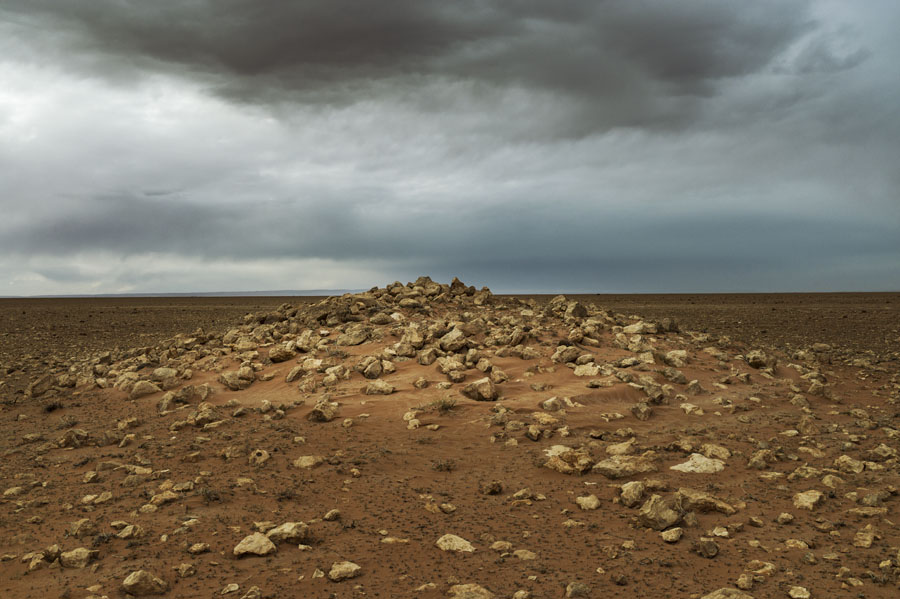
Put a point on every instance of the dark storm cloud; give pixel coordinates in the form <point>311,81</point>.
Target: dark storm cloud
<point>608,63</point>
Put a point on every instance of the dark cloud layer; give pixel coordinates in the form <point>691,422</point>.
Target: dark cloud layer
<point>617,145</point>
<point>635,63</point>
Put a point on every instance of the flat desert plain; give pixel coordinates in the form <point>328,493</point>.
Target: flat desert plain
<point>435,440</point>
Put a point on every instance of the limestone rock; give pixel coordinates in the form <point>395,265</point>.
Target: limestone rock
<point>140,583</point>
<point>481,390</point>
<point>692,499</point>
<point>324,411</point>
<point>450,542</point>
<point>727,593</point>
<point>589,502</point>
<point>568,460</point>
<point>343,571</point>
<point>255,544</point>
<point>142,388</point>
<point>700,464</point>
<point>623,466</point>
<point>469,591</point>
<point>808,500</point>
<point>673,535</point>
<point>656,513</point>
<point>77,558</point>
<point>289,532</point>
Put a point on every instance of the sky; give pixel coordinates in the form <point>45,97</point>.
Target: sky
<point>582,146</point>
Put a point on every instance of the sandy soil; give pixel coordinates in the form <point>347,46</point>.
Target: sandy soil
<point>405,468</point>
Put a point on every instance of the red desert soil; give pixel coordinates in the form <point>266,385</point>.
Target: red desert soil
<point>344,439</point>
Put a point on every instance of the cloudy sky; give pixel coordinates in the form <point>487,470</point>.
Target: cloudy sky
<point>596,145</point>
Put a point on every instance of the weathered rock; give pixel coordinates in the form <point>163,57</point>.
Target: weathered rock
<point>280,353</point>
<point>565,354</point>
<point>82,528</point>
<point>642,411</point>
<point>454,341</point>
<point>692,499</point>
<point>631,493</point>
<point>577,589</point>
<point>289,532</point>
<point>379,388</point>
<point>343,570</point>
<point>589,502</point>
<point>568,460</point>
<point>673,535</point>
<point>727,593</point>
<point>706,547</point>
<point>808,500</point>
<point>622,466</point>
<point>255,544</point>
<point>324,411</point>
<point>481,390</point>
<point>849,465</point>
<point>309,461</point>
<point>143,388</point>
<point>233,380</point>
<point>658,514</point>
<point>140,583</point>
<point>759,359</point>
<point>469,591</point>
<point>77,558</point>
<point>450,542</point>
<point>700,464</point>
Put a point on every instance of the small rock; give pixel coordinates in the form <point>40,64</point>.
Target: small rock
<point>577,589</point>
<point>589,502</point>
<point>700,464</point>
<point>343,570</point>
<point>808,500</point>
<point>451,542</point>
<point>673,535</point>
<point>141,582</point>
<point>255,544</point>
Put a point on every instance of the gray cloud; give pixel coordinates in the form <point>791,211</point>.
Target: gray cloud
<point>616,145</point>
<point>609,64</point>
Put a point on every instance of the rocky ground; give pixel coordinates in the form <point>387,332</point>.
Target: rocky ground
<point>429,440</point>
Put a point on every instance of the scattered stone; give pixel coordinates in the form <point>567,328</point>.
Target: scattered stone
<point>623,466</point>
<point>255,544</point>
<point>808,500</point>
<point>343,571</point>
<point>481,390</point>
<point>450,542</point>
<point>289,532</point>
<point>77,558</point>
<point>577,589</point>
<point>658,514</point>
<point>469,591</point>
<point>727,593</point>
<point>700,464</point>
<point>590,502</point>
<point>140,583</point>
<point>673,535</point>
